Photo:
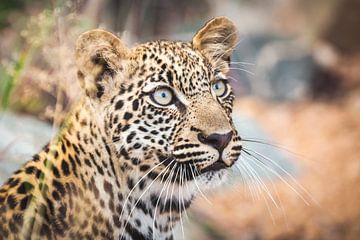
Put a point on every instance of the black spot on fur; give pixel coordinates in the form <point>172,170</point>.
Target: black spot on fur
<point>59,187</point>
<point>108,188</point>
<point>13,227</point>
<point>134,233</point>
<point>126,127</point>
<point>45,231</point>
<point>130,137</point>
<point>24,203</point>
<point>13,182</point>
<point>29,170</point>
<point>119,104</point>
<point>130,183</point>
<point>11,201</point>
<point>55,195</point>
<point>36,158</point>
<point>128,115</point>
<point>65,168</point>
<point>135,104</point>
<point>56,172</point>
<point>25,187</point>
<point>141,128</point>
<point>137,145</point>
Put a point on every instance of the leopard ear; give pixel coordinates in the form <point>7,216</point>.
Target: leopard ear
<point>217,39</point>
<point>99,57</point>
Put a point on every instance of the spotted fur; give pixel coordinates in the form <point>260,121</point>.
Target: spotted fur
<point>122,166</point>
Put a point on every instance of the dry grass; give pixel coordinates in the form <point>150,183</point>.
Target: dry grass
<point>46,85</point>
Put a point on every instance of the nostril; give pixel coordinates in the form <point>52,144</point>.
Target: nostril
<point>202,138</point>
<point>213,141</point>
<point>217,141</point>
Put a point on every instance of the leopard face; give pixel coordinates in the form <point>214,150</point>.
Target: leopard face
<point>165,103</point>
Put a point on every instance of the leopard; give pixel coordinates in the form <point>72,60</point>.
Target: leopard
<point>150,133</point>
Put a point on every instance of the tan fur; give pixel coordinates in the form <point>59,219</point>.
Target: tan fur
<point>98,44</point>
<point>216,39</point>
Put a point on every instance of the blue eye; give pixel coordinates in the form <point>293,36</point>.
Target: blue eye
<point>219,88</point>
<point>162,96</point>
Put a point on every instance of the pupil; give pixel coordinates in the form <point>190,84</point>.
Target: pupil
<point>163,95</point>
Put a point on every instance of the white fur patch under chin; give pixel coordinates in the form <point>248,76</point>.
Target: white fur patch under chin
<point>211,179</point>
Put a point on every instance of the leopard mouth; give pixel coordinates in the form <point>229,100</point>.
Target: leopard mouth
<point>166,159</point>
<point>216,166</point>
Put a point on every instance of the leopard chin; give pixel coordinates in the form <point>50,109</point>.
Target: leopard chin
<point>211,179</point>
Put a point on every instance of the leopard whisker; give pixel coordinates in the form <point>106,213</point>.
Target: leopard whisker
<point>230,77</point>
<point>272,144</point>
<point>283,170</point>
<point>264,170</point>
<point>172,194</point>
<point>228,50</point>
<point>148,187</point>
<point>242,69</point>
<point>262,190</point>
<point>252,190</point>
<point>279,176</point>
<point>184,183</point>
<point>254,181</point>
<point>158,200</point>
<point>179,204</point>
<point>172,172</point>
<point>172,191</point>
<point>202,194</point>
<point>137,183</point>
<point>263,186</point>
<point>243,63</point>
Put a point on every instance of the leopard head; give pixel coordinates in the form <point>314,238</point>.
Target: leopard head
<point>165,106</point>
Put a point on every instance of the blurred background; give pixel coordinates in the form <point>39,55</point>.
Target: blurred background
<point>296,74</point>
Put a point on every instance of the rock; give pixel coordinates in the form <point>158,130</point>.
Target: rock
<point>21,137</point>
<point>273,68</point>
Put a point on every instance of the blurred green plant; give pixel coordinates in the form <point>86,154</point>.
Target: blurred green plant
<point>9,75</point>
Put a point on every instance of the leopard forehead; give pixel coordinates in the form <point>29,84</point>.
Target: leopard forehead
<point>176,64</point>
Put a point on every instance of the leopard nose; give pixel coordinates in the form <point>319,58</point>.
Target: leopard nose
<point>217,141</point>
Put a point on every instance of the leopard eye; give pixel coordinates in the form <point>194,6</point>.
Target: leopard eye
<point>163,96</point>
<point>219,88</point>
